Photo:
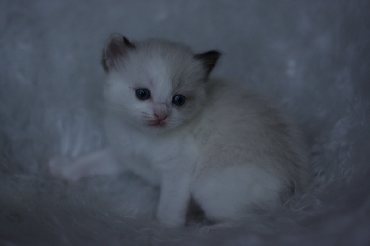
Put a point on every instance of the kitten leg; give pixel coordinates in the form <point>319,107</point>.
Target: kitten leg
<point>174,199</point>
<point>97,163</point>
<point>228,194</point>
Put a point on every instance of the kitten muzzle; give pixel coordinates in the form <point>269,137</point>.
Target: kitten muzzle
<point>157,123</point>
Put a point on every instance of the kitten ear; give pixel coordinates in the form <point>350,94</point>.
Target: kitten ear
<point>209,59</point>
<point>116,49</point>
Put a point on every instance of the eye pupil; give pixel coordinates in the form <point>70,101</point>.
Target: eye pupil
<point>178,100</point>
<point>142,93</point>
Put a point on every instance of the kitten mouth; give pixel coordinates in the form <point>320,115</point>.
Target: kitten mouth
<point>157,123</point>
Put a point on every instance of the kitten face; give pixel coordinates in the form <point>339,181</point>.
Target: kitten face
<point>155,85</point>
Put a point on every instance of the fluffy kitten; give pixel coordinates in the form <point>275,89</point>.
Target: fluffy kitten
<point>195,137</point>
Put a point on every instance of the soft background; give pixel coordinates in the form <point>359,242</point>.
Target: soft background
<point>311,57</point>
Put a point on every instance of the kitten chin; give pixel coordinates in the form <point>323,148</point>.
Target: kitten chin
<point>195,137</point>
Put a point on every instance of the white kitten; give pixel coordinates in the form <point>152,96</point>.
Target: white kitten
<point>194,137</point>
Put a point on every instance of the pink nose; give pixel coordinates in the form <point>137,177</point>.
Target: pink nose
<point>160,116</point>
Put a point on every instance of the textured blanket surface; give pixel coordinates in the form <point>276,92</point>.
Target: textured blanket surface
<point>312,58</point>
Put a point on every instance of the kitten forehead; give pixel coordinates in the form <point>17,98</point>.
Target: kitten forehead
<point>167,62</point>
<point>171,55</point>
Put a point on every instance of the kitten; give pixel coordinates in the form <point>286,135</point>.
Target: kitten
<point>195,137</point>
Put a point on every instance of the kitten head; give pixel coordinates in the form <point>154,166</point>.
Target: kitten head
<point>156,84</point>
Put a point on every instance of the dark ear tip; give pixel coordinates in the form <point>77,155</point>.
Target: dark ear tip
<point>119,39</point>
<point>128,43</point>
<point>216,53</point>
<point>213,54</point>
<point>209,59</point>
<point>114,37</point>
<point>115,50</point>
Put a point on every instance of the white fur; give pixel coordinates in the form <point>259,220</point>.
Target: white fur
<point>225,147</point>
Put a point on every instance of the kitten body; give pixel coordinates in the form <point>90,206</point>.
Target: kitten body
<point>196,137</point>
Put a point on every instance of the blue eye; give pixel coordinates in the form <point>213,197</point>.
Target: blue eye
<point>142,94</point>
<point>178,100</point>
